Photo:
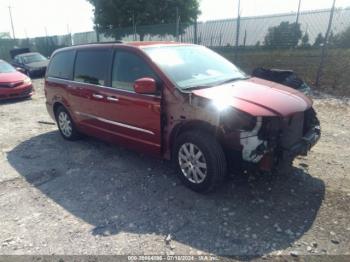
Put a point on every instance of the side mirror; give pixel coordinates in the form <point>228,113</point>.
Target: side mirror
<point>20,70</point>
<point>145,86</point>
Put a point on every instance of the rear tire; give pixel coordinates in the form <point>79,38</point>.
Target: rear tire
<point>66,125</point>
<point>200,161</point>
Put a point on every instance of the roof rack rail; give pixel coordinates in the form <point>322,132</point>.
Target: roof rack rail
<point>101,43</point>
<point>109,42</point>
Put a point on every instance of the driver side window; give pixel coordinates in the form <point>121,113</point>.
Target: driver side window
<point>127,68</point>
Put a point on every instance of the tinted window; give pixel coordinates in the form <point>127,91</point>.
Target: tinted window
<point>32,58</point>
<point>128,67</point>
<point>61,65</point>
<point>92,66</point>
<point>17,60</point>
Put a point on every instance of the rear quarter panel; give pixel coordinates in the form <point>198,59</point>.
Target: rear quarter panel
<point>56,92</point>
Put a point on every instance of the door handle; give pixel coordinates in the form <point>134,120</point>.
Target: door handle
<point>97,96</point>
<point>112,99</point>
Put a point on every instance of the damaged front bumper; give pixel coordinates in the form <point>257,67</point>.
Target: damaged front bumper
<point>287,142</point>
<point>306,143</point>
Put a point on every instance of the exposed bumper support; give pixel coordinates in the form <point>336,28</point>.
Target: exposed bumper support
<point>253,148</point>
<point>305,144</point>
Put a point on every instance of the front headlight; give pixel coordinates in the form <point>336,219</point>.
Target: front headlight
<point>237,120</point>
<point>27,81</point>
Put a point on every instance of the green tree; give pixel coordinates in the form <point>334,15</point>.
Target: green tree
<point>111,16</point>
<point>305,41</point>
<point>333,39</point>
<point>285,35</point>
<point>319,41</point>
<point>5,35</point>
<point>343,39</point>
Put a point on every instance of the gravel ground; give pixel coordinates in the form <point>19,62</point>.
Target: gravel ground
<point>88,197</point>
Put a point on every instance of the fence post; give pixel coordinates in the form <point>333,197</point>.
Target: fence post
<point>245,38</point>
<point>195,33</point>
<point>324,47</point>
<point>177,24</point>
<point>97,31</point>
<point>238,28</point>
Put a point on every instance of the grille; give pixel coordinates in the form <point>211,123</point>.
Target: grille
<point>283,132</point>
<point>10,85</point>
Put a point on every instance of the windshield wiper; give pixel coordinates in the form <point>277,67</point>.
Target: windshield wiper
<point>215,84</point>
<point>198,87</point>
<point>232,80</point>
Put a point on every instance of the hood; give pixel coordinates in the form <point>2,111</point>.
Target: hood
<point>12,77</point>
<point>257,97</point>
<point>38,64</point>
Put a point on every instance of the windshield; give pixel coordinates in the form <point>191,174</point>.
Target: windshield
<point>6,68</point>
<point>194,66</point>
<point>33,58</point>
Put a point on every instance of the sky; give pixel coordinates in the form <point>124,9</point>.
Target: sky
<point>54,17</point>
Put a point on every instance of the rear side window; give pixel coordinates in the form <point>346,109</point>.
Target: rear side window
<point>127,68</point>
<point>92,66</point>
<point>61,65</point>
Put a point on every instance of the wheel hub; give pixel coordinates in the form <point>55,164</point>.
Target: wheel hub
<point>193,163</point>
<point>65,124</point>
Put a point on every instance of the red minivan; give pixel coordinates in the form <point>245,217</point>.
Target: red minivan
<point>181,102</point>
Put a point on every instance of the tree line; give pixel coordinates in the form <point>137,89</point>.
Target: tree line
<point>289,35</point>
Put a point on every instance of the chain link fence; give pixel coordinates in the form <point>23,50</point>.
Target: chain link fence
<point>285,41</point>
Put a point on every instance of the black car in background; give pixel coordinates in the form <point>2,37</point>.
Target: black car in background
<point>32,64</point>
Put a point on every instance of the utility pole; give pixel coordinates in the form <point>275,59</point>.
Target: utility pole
<point>297,22</point>
<point>47,41</point>
<point>13,28</point>
<point>238,28</point>
<point>69,35</point>
<point>325,46</point>
<point>298,14</point>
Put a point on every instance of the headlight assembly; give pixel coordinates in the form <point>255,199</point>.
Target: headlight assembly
<point>237,120</point>
<point>27,81</point>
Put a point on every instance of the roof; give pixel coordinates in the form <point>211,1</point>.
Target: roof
<point>153,43</point>
<point>133,44</point>
<point>118,43</point>
<point>26,54</point>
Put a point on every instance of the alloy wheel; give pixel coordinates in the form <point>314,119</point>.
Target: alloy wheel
<point>65,124</point>
<point>192,163</point>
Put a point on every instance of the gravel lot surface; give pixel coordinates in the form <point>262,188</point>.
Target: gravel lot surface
<point>89,197</point>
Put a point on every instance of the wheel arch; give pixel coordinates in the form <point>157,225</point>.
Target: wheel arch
<point>56,105</point>
<point>194,125</point>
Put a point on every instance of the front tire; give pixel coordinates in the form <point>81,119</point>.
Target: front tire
<point>66,125</point>
<point>200,161</point>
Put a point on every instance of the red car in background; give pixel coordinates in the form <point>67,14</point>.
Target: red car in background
<point>14,84</point>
